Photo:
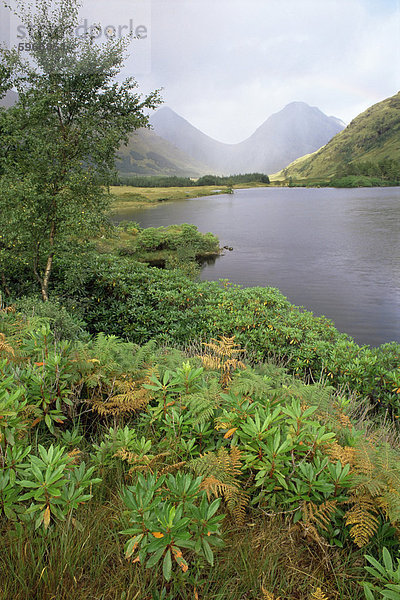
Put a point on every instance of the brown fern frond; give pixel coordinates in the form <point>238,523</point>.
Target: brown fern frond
<point>236,499</point>
<point>75,456</point>
<point>139,462</point>
<point>220,471</point>
<point>8,309</point>
<point>223,356</point>
<point>363,462</point>
<point>321,514</point>
<point>129,398</point>
<point>363,515</point>
<point>345,421</point>
<point>173,467</point>
<point>345,455</point>
<point>235,460</point>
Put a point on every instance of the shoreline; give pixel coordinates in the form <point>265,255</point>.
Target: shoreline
<point>128,197</point>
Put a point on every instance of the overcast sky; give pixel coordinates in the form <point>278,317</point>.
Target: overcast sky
<point>226,65</point>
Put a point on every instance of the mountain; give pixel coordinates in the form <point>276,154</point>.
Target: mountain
<point>371,137</point>
<point>295,130</point>
<point>179,132</point>
<point>149,154</point>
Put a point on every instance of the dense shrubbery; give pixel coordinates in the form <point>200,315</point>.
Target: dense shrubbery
<point>186,464</point>
<point>141,303</point>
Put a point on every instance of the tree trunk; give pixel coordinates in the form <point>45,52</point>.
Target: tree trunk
<point>46,278</point>
<point>44,281</point>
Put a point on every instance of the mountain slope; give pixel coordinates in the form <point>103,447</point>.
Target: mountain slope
<point>182,134</point>
<point>284,136</point>
<point>372,136</point>
<point>149,154</point>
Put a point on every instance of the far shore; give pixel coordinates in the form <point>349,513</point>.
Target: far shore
<point>127,197</point>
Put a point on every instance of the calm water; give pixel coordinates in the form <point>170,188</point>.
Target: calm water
<point>335,252</point>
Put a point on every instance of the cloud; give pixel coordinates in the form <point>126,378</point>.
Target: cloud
<point>227,65</point>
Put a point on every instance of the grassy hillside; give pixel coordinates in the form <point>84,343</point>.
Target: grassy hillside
<point>148,154</point>
<point>373,136</point>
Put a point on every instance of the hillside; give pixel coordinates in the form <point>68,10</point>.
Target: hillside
<point>149,154</point>
<point>373,136</point>
<point>295,130</point>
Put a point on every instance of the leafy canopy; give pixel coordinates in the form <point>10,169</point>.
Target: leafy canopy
<point>59,140</point>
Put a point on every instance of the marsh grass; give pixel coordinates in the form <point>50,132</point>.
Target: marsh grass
<point>128,197</point>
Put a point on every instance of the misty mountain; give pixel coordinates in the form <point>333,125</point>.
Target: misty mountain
<point>296,130</point>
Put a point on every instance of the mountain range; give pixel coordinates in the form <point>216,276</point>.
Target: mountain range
<point>296,130</point>
<point>175,147</point>
<point>373,136</point>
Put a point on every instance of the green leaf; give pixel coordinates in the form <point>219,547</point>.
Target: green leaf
<point>387,560</point>
<point>212,509</point>
<point>208,553</point>
<point>153,560</point>
<point>167,565</point>
<point>391,595</point>
<point>368,594</point>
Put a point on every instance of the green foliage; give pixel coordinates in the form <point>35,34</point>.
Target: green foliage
<point>168,515</point>
<point>51,493</point>
<point>385,574</point>
<point>265,447</point>
<point>61,137</point>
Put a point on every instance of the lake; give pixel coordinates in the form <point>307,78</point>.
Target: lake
<point>334,251</point>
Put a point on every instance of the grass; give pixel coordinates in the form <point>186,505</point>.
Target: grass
<point>267,554</point>
<point>127,197</point>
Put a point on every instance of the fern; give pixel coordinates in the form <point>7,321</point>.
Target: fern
<point>363,516</point>
<point>223,357</point>
<point>129,397</point>
<point>5,347</point>
<point>320,515</point>
<point>143,358</point>
<point>220,471</point>
<point>202,405</point>
<point>249,384</point>
<point>140,462</point>
<point>345,455</point>
<point>376,486</point>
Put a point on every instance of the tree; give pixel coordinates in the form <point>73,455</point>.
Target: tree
<point>58,143</point>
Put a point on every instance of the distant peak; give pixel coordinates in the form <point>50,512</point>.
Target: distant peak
<point>297,104</point>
